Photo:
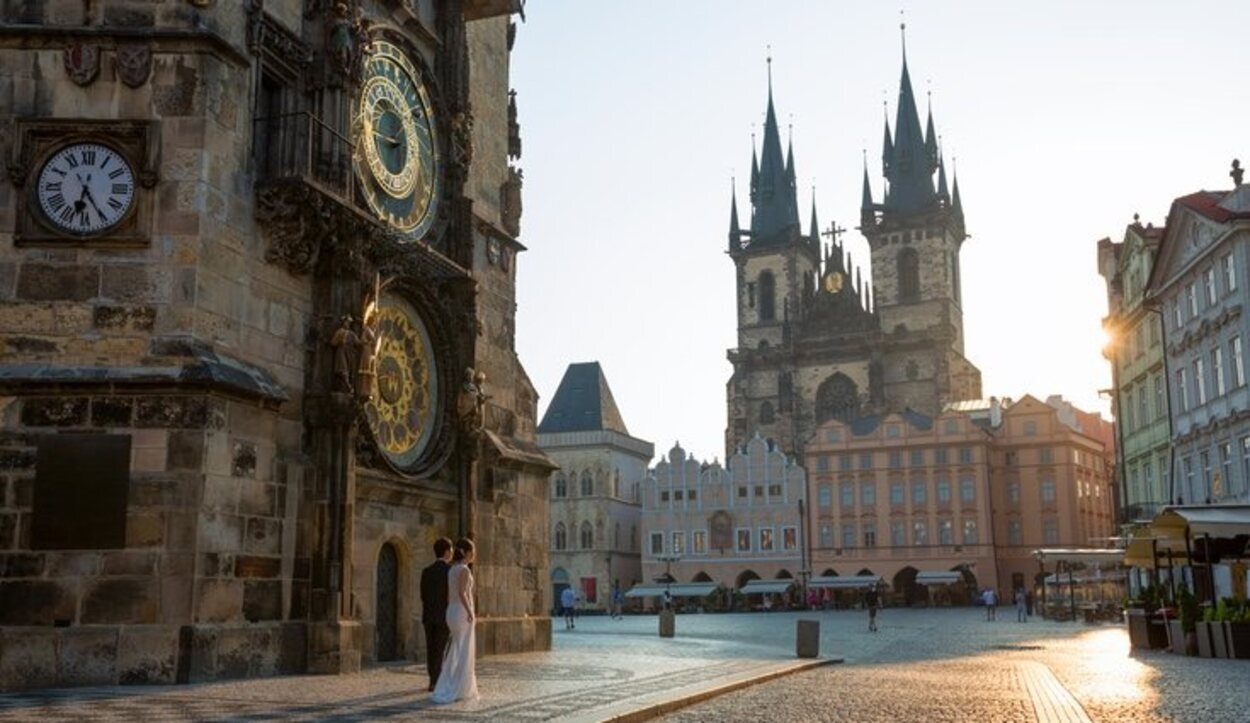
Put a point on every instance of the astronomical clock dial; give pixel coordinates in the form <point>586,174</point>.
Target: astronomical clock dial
<point>85,189</point>
<point>404,407</point>
<point>833,282</point>
<point>397,159</point>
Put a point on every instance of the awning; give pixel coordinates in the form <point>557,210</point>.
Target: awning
<point>1095,556</point>
<point>938,578</point>
<point>1062,578</point>
<point>1213,520</point>
<point>683,589</point>
<point>755,587</point>
<point>843,583</point>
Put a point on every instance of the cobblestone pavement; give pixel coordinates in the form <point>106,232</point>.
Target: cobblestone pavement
<point>951,665</point>
<point>938,665</point>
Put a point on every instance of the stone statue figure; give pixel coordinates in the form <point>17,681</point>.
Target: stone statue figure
<point>1237,172</point>
<point>471,406</point>
<point>369,342</point>
<point>345,343</point>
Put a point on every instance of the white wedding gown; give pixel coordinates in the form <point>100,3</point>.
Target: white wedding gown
<point>458,680</point>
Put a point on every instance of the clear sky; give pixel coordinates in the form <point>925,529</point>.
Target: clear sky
<point>1067,117</point>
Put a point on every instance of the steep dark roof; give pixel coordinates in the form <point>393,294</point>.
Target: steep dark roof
<point>583,402</point>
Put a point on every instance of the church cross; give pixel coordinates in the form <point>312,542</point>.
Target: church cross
<point>835,232</point>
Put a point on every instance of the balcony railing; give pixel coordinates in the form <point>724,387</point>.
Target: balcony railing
<point>301,147</point>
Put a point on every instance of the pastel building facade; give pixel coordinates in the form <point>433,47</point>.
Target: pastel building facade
<point>728,525</point>
<point>594,495</point>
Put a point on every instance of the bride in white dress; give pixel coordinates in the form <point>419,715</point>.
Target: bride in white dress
<point>458,681</point>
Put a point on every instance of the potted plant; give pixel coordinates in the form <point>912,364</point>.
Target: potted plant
<point>1239,631</point>
<point>1188,643</point>
<point>1219,628</point>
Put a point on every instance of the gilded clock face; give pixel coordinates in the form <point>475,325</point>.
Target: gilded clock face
<point>833,282</point>
<point>85,189</point>
<point>404,407</point>
<point>397,158</point>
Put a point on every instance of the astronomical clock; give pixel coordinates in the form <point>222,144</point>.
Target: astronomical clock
<point>398,165</point>
<point>397,157</point>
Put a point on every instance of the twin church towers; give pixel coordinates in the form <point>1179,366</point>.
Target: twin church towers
<point>816,340</point>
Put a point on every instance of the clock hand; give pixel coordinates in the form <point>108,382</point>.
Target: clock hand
<point>389,139</point>
<point>91,200</point>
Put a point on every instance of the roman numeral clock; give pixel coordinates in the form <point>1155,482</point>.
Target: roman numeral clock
<point>88,183</point>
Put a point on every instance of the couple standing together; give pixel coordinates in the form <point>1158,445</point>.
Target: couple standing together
<point>447,613</point>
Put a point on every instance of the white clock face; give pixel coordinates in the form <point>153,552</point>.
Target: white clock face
<point>86,188</point>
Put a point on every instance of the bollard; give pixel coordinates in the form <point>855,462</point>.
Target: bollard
<point>807,639</point>
<point>668,623</point>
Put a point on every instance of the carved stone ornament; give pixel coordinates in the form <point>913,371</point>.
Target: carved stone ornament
<point>134,63</point>
<point>462,138</point>
<point>82,62</point>
<point>347,40</point>
<point>510,201</point>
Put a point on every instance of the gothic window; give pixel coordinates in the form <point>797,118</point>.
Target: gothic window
<point>562,537</point>
<point>837,398</point>
<point>767,416</point>
<point>562,488</point>
<point>587,536</point>
<point>908,276</point>
<point>588,484</point>
<point>768,294</point>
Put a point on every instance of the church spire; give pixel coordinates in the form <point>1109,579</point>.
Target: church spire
<point>887,144</point>
<point>814,231</point>
<point>775,208</point>
<point>943,193</point>
<point>910,168</point>
<point>930,138</point>
<point>734,230</point>
<point>867,210</point>
<point>957,206</point>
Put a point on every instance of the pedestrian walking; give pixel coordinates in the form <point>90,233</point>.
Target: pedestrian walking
<point>872,600</point>
<point>1021,610</point>
<point>566,603</point>
<point>989,598</point>
<point>618,605</point>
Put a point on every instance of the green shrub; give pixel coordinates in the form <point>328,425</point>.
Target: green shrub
<point>1189,609</point>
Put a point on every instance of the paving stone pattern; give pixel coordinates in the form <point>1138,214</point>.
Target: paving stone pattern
<point>944,665</point>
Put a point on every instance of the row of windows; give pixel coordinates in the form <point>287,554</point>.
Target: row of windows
<point>772,493</point>
<point>919,493</point>
<point>1137,340</point>
<point>1219,481</point>
<point>853,535</point>
<point>1206,379</point>
<point>915,458</point>
<point>1144,403</point>
<point>1141,480</point>
<point>561,484</point>
<point>1207,287</point>
<point>586,536</point>
<point>746,539</point>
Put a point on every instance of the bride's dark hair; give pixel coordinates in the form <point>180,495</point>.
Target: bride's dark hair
<point>463,546</point>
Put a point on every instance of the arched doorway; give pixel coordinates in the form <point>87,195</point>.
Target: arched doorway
<point>559,581</point>
<point>906,585</point>
<point>702,577</point>
<point>745,577</point>
<point>386,610</point>
<point>965,592</point>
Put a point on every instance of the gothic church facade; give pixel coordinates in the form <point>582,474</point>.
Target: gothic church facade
<point>817,341</point>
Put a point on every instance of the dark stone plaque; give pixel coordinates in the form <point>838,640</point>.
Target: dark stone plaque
<point>81,487</point>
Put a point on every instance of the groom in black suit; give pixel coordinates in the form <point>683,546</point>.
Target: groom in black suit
<point>434,607</point>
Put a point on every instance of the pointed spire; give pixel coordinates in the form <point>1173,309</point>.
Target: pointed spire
<point>943,193</point>
<point>911,166</point>
<point>755,169</point>
<point>930,137</point>
<point>775,215</point>
<point>734,230</point>
<point>866,207</point>
<point>815,227</point>
<point>956,204</point>
<point>887,144</point>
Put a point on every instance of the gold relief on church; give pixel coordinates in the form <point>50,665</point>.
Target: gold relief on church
<point>402,410</point>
